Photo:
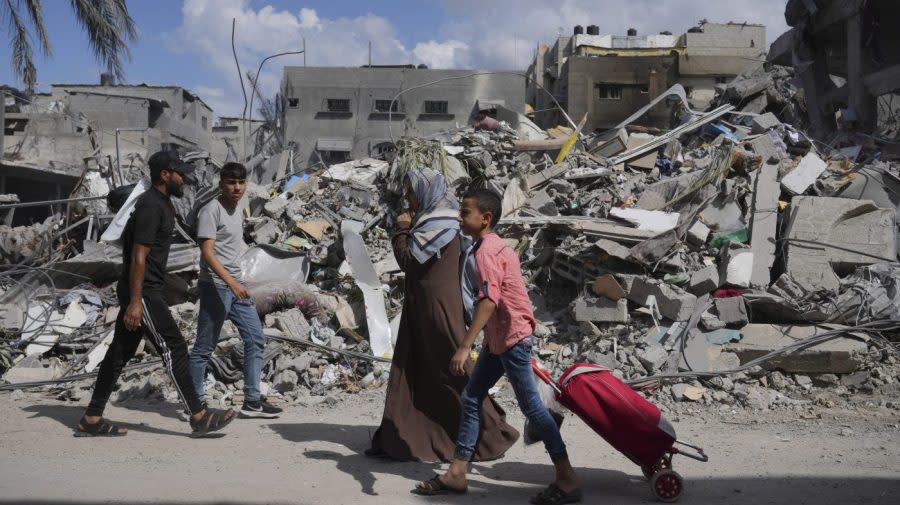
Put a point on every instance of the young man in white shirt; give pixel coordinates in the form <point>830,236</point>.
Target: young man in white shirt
<point>223,293</point>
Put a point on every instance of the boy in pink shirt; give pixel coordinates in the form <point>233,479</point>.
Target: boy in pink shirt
<point>504,312</point>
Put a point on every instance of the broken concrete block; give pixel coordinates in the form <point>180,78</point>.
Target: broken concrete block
<point>543,203</point>
<point>32,369</point>
<point>285,381</point>
<point>601,309</point>
<point>705,281</point>
<point>698,234</point>
<point>673,303</point>
<point>764,146</point>
<point>824,232</point>
<point>266,232</point>
<point>275,207</point>
<point>687,392</point>
<point>736,265</point>
<point>834,356</point>
<point>764,122</point>
<point>292,323</point>
<point>804,174</point>
<point>653,358</point>
<point>732,311</point>
<point>763,225</point>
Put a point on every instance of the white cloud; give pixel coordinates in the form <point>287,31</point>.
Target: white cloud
<point>449,54</point>
<point>501,34</point>
<point>309,19</point>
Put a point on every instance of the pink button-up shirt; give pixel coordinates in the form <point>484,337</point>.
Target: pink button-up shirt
<point>500,280</point>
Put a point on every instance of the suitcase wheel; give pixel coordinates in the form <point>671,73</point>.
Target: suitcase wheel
<point>667,485</point>
<point>662,463</point>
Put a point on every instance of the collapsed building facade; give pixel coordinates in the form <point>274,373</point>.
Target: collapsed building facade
<point>97,132</point>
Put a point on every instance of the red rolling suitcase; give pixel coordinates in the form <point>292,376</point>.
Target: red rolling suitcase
<point>630,423</point>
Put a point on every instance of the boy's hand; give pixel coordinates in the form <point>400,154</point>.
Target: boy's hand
<point>458,363</point>
<point>404,220</point>
<point>240,292</point>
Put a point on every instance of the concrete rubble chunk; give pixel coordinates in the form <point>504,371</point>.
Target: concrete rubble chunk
<point>763,225</point>
<point>764,122</point>
<point>838,356</point>
<point>804,174</point>
<point>705,281</point>
<point>601,310</point>
<point>732,311</point>
<point>698,233</point>
<point>673,303</point>
<point>653,358</point>
<point>824,233</point>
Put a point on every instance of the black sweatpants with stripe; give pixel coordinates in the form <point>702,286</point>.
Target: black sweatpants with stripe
<point>162,331</point>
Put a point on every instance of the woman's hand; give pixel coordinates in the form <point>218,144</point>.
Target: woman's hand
<point>404,220</point>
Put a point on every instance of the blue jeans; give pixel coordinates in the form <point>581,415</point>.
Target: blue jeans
<point>516,362</point>
<point>216,304</point>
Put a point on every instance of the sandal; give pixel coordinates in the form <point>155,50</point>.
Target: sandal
<point>212,420</point>
<point>435,486</point>
<point>553,495</point>
<point>99,429</point>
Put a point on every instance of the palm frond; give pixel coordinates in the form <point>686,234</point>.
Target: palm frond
<point>109,28</point>
<point>22,61</point>
<point>37,20</point>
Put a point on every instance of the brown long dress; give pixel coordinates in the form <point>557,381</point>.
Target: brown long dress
<point>422,408</point>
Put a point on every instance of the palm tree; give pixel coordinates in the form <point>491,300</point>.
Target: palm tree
<point>108,25</point>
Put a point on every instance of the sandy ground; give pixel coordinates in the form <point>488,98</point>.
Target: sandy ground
<point>312,455</point>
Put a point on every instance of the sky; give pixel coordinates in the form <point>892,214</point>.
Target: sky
<point>188,42</point>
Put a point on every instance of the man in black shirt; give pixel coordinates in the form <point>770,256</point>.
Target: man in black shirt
<point>143,310</point>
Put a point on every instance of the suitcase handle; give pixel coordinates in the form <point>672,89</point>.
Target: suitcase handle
<point>699,456</point>
<point>543,375</point>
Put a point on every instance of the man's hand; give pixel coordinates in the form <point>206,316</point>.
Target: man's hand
<point>133,314</point>
<point>458,363</point>
<point>240,292</point>
<point>404,220</point>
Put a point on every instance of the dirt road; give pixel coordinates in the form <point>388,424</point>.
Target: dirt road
<point>313,455</point>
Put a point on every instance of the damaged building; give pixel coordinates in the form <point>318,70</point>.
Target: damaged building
<point>847,60</point>
<point>610,76</point>
<point>50,139</point>
<point>338,114</point>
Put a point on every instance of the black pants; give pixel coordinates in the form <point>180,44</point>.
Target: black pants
<point>162,331</point>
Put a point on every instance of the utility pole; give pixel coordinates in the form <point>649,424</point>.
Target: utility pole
<point>304,51</point>
<point>370,53</point>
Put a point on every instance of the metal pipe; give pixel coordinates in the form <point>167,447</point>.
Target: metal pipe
<point>118,160</point>
<point>49,203</point>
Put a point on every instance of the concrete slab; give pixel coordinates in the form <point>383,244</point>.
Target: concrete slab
<point>834,356</point>
<point>804,174</point>
<point>824,233</point>
<point>650,220</point>
<point>763,225</point>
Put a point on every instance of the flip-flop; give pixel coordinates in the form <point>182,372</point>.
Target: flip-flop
<point>213,420</point>
<point>435,486</point>
<point>99,429</point>
<point>554,495</point>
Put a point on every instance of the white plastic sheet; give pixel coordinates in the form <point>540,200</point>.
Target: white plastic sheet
<point>368,281</point>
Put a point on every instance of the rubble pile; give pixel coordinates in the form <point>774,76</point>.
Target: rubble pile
<point>731,262</point>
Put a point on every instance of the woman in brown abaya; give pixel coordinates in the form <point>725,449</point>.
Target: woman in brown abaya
<point>422,407</point>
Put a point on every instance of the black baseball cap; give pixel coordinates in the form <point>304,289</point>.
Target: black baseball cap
<point>169,160</point>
